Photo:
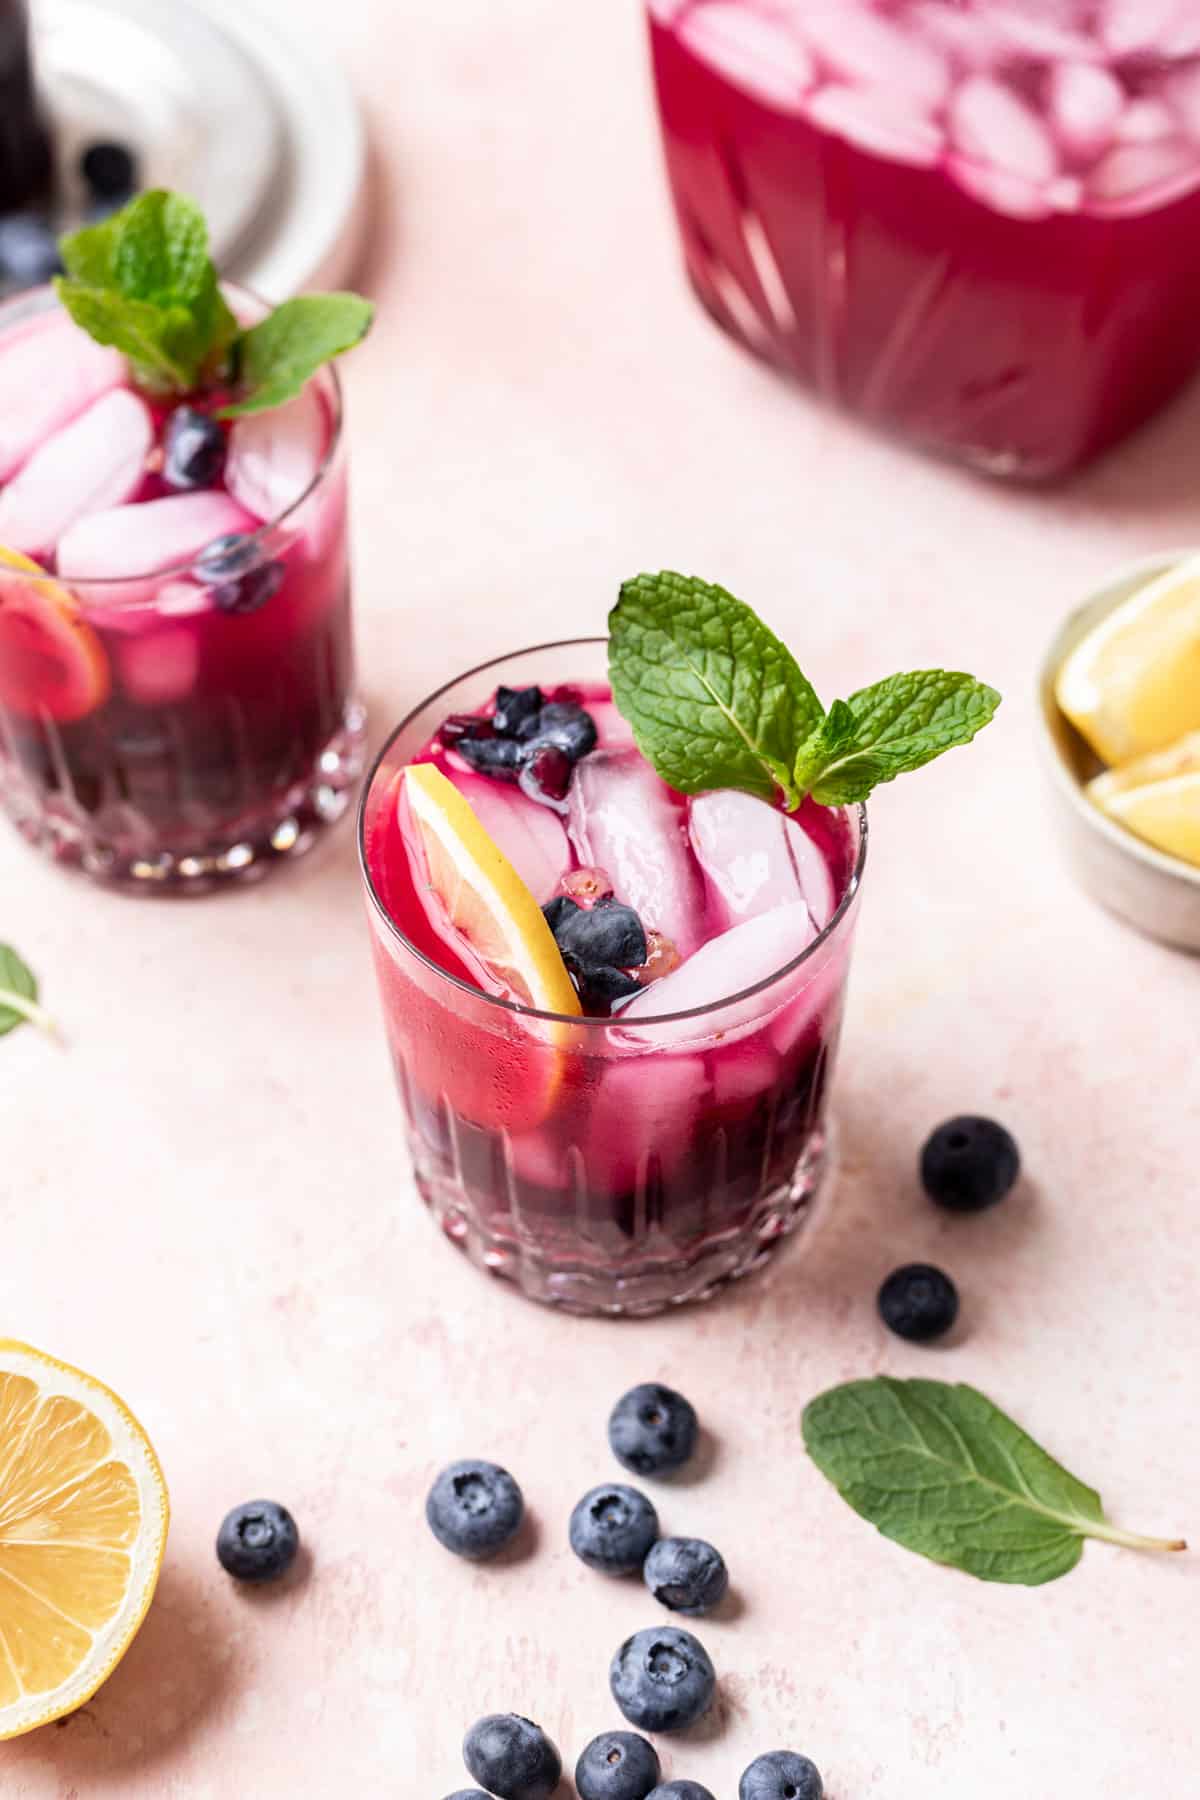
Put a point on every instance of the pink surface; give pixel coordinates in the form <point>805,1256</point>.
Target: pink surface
<point>205,1200</point>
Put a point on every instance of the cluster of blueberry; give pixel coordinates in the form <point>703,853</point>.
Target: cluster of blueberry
<point>662,1679</point>
<point>29,240</point>
<point>601,944</point>
<point>525,739</point>
<point>967,1165</point>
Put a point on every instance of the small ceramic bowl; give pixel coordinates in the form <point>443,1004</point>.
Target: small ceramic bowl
<point>1156,893</point>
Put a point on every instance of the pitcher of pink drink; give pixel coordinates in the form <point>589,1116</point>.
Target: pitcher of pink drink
<point>975,223</point>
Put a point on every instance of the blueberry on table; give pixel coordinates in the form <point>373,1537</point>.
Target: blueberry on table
<point>918,1302</point>
<point>662,1680</point>
<point>474,1509</point>
<point>234,569</point>
<point>257,1541</point>
<point>781,1775</point>
<point>652,1429</point>
<point>680,1790</point>
<point>110,170</point>
<point>969,1163</point>
<point>617,1765</point>
<point>612,1529</point>
<point>193,449</point>
<point>686,1574</point>
<point>514,709</point>
<point>512,1757</point>
<point>28,250</point>
<point>467,1794</point>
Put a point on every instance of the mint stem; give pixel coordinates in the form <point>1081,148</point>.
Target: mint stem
<point>29,1009</point>
<point>1132,1540</point>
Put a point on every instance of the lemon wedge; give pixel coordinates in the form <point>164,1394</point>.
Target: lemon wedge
<point>52,663</point>
<point>83,1524</point>
<point>1164,813</point>
<point>484,897</point>
<point>1132,686</point>
<point>1179,759</point>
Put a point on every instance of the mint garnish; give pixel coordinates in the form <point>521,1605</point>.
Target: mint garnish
<point>717,701</point>
<point>19,995</point>
<point>143,283</point>
<point>942,1471</point>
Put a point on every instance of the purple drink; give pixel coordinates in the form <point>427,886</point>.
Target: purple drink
<point>974,222</point>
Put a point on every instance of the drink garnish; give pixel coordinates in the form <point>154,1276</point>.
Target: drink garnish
<point>19,995</point>
<point>716,700</point>
<point>142,281</point>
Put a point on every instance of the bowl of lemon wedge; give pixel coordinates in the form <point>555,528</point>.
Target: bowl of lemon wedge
<point>1120,710</point>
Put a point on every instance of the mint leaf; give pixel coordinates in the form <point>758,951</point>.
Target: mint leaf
<point>898,724</point>
<point>281,353</point>
<point>155,339</point>
<point>18,994</point>
<point>942,1471</point>
<point>88,254</point>
<point>160,250</point>
<point>714,698</point>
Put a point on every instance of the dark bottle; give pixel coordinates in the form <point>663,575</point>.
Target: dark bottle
<point>24,144</point>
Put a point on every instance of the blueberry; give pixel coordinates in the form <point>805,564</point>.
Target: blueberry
<point>686,1574</point>
<point>110,170</point>
<point>601,989</point>
<point>568,726</point>
<point>617,1765</point>
<point>607,935</point>
<point>918,1302</point>
<point>194,449</point>
<point>662,1680</point>
<point>558,909</point>
<point>969,1163</point>
<point>545,773</point>
<point>28,250</point>
<point>257,1541</point>
<point>233,568</point>
<point>781,1775</point>
<point>680,1790</point>
<point>652,1429</point>
<point>474,1509</point>
<point>512,1757</point>
<point>515,709</point>
<point>612,1529</point>
<point>496,756</point>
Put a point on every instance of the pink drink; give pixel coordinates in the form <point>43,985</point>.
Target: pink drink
<point>645,1153</point>
<point>974,222</point>
<point>176,707</point>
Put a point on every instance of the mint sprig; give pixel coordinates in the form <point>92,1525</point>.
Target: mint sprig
<point>941,1470</point>
<point>143,283</point>
<point>19,995</point>
<point>717,701</point>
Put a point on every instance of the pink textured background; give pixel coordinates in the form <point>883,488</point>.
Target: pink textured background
<point>206,1202</point>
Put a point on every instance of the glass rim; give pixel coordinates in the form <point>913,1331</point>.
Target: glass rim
<point>100,584</point>
<point>518,1008</point>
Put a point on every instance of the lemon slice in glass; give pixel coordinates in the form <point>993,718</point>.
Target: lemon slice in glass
<point>52,664</point>
<point>83,1524</point>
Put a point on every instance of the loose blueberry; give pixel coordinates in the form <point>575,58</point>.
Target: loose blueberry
<point>568,726</point>
<point>110,170</point>
<point>662,1680</point>
<point>514,709</point>
<point>781,1775</point>
<point>969,1163</point>
<point>240,580</point>
<point>607,935</point>
<point>686,1574</point>
<point>918,1302</point>
<point>652,1429</point>
<point>545,773</point>
<point>496,756</point>
<point>617,1765</point>
<point>612,1529</point>
<point>680,1790</point>
<point>512,1757</point>
<point>257,1541</point>
<point>194,449</point>
<point>474,1509</point>
<point>28,250</point>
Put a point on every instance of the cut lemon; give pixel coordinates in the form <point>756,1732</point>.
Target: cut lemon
<point>1180,759</point>
<point>83,1522</point>
<point>1164,813</point>
<point>484,897</point>
<point>52,664</point>
<point>1133,685</point>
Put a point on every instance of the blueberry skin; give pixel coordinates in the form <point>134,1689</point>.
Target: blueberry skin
<point>238,577</point>
<point>617,1765</point>
<point>512,1757</point>
<point>474,1509</point>
<point>515,708</point>
<point>194,449</point>
<point>918,1302</point>
<point>969,1163</point>
<point>686,1574</point>
<point>28,250</point>
<point>662,1680</point>
<point>110,170</point>
<point>680,1790</point>
<point>612,1529</point>
<point>607,935</point>
<point>257,1541</point>
<point>781,1775</point>
<point>567,726</point>
<point>652,1429</point>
